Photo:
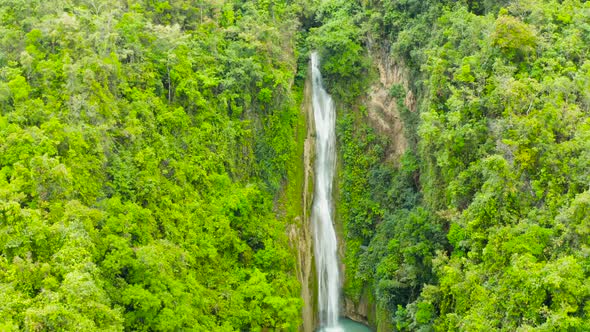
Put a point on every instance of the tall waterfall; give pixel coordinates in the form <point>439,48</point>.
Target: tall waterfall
<point>324,236</point>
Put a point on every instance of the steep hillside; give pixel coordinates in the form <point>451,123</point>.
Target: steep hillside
<point>482,223</point>
<point>143,145</point>
<point>156,163</point>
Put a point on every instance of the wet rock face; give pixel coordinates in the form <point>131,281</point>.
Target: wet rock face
<point>300,232</point>
<point>300,236</point>
<point>357,312</point>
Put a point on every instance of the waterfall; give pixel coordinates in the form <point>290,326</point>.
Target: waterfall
<point>325,244</point>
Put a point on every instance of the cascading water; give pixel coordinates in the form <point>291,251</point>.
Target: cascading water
<point>325,243</point>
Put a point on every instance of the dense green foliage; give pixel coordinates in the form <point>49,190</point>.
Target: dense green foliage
<point>150,152</point>
<point>505,143</point>
<point>483,224</point>
<point>338,38</point>
<point>142,145</point>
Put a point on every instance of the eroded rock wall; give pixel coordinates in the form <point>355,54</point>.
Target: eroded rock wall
<point>382,107</point>
<point>301,231</point>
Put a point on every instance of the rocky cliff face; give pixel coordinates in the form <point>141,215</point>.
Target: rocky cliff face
<point>301,231</point>
<point>384,116</point>
<point>383,109</point>
<point>358,311</point>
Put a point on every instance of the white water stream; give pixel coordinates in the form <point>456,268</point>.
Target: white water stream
<point>325,243</point>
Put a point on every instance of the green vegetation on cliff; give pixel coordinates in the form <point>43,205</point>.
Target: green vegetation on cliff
<point>142,145</point>
<point>150,151</point>
<point>484,222</point>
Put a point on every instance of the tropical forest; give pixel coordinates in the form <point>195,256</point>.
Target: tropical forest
<point>295,165</point>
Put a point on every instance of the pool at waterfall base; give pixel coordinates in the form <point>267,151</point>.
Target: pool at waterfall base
<point>347,325</point>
